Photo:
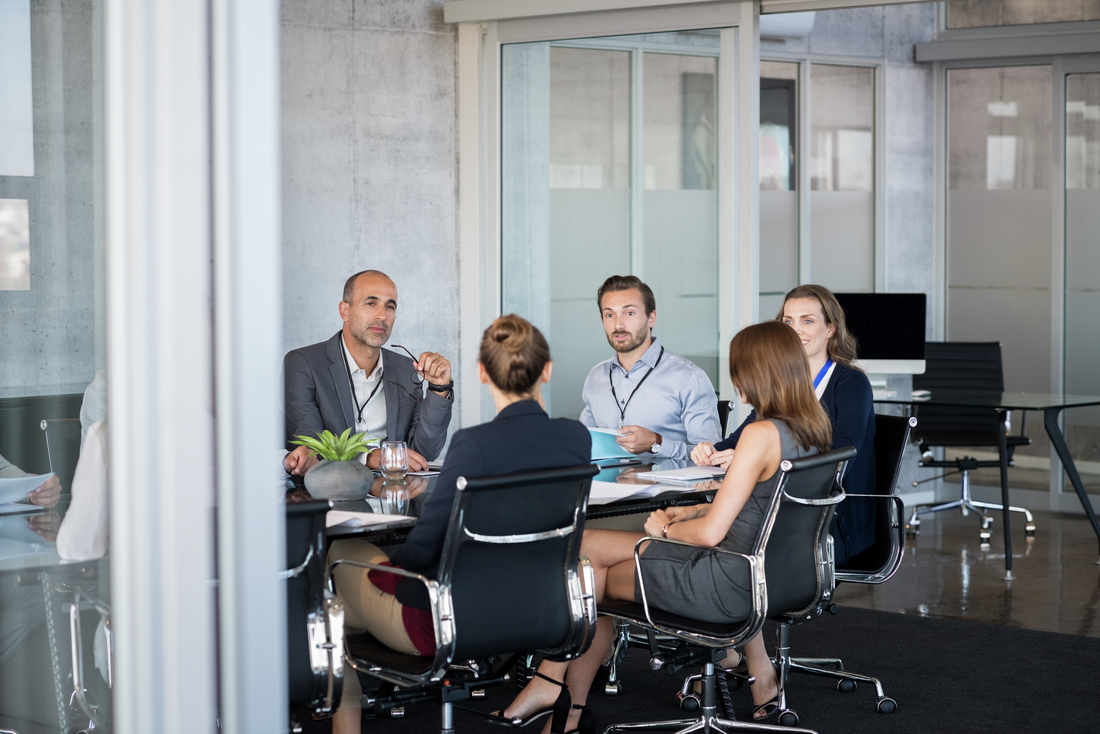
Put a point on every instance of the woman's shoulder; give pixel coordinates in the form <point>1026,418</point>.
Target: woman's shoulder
<point>763,429</point>
<point>851,378</point>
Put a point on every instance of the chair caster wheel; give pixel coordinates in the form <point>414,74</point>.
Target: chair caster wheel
<point>1029,530</point>
<point>983,546</point>
<point>984,536</point>
<point>397,712</point>
<point>689,703</point>
<point>886,705</point>
<point>477,694</point>
<point>788,718</point>
<point>845,686</point>
<point>612,689</point>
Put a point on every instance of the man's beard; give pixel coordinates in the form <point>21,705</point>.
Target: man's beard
<point>631,344</point>
<point>369,338</point>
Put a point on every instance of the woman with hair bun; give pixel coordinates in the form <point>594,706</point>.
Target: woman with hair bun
<point>845,394</point>
<point>514,361</point>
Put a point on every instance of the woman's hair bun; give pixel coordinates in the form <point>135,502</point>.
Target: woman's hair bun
<point>514,354</point>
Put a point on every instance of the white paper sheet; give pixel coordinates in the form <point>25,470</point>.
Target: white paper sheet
<point>604,492</point>
<point>687,474</point>
<point>361,519</point>
<point>15,489</point>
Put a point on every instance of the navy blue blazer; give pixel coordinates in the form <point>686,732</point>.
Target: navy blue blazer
<point>521,438</point>
<point>847,402</point>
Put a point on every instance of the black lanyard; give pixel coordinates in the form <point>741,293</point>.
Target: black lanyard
<point>622,409</point>
<point>347,368</point>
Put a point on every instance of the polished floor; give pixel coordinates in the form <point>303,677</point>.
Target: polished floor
<point>946,574</point>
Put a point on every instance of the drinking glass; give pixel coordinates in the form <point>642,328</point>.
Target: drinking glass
<point>395,459</point>
<point>394,497</point>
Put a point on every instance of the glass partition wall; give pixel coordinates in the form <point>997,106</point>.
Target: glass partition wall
<point>53,386</point>
<point>1082,275</point>
<point>609,166</point>
<point>817,220</point>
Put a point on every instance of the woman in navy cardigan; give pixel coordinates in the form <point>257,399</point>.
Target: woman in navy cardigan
<point>845,394</point>
<point>514,361</point>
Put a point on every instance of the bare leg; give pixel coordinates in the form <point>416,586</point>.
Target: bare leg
<point>347,720</point>
<point>760,667</point>
<point>612,555</point>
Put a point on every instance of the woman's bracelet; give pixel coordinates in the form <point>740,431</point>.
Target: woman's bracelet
<point>664,530</point>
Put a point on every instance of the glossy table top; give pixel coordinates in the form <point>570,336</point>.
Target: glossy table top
<point>1003,401</point>
<point>406,496</point>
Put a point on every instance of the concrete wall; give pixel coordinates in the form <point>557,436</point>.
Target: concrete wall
<point>369,173</point>
<point>48,333</point>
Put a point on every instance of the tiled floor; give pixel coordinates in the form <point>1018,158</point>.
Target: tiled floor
<point>945,574</point>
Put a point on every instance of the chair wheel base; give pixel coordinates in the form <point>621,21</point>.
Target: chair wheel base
<point>788,718</point>
<point>397,712</point>
<point>845,686</point>
<point>1029,530</point>
<point>886,705</point>
<point>613,689</point>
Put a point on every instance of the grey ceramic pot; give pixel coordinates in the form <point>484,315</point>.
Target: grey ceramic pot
<point>338,480</point>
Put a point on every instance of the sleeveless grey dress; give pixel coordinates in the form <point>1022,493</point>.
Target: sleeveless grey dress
<point>701,584</point>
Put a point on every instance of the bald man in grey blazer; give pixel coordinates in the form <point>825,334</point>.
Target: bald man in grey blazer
<point>350,381</point>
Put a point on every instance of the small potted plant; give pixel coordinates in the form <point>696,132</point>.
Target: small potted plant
<point>338,475</point>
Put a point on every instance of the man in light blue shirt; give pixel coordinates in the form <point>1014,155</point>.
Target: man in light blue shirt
<point>662,403</point>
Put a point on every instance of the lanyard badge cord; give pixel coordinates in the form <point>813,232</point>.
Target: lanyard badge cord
<point>622,408</point>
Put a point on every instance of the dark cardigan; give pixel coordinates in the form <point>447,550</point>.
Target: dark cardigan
<point>847,402</point>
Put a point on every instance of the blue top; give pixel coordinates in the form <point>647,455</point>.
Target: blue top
<point>676,401</point>
<point>847,402</point>
<point>521,438</point>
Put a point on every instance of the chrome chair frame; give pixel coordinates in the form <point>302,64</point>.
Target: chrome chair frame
<point>834,667</point>
<point>580,588</point>
<point>709,718</point>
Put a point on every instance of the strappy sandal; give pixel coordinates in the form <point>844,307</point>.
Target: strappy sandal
<point>587,724</point>
<point>559,710</point>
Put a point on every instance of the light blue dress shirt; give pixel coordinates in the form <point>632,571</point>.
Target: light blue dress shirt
<point>676,401</point>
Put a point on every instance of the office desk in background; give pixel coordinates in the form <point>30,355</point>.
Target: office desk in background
<point>1051,405</point>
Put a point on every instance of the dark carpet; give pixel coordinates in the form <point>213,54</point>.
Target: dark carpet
<point>946,675</point>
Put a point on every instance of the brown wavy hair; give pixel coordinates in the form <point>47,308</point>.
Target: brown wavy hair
<point>842,346</point>
<point>769,365</point>
<point>514,353</point>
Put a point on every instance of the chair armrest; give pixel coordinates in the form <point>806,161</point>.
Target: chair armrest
<point>833,499</point>
<point>581,582</point>
<point>760,598</point>
<point>894,563</point>
<point>442,609</point>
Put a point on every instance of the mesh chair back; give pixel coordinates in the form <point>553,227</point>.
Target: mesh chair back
<point>512,544</point>
<point>970,369</point>
<point>891,438</point>
<point>793,566</point>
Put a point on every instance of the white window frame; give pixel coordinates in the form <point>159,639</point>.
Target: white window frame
<point>805,244</point>
<point>480,38</point>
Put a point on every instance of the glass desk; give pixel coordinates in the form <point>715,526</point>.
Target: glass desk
<point>1051,406</point>
<point>407,496</point>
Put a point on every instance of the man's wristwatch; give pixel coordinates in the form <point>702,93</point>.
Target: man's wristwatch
<point>656,447</point>
<point>449,387</point>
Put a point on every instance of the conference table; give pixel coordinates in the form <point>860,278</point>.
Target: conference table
<point>403,498</point>
<point>1051,406</point>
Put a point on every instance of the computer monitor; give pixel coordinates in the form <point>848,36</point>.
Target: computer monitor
<point>889,328</point>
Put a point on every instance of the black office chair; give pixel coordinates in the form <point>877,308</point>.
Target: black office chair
<point>882,560</point>
<point>62,448</point>
<point>969,369</point>
<point>724,407</point>
<point>314,618</point>
<point>792,576</point>
<point>510,578</point>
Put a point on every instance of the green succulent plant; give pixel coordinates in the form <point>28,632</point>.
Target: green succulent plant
<point>331,447</point>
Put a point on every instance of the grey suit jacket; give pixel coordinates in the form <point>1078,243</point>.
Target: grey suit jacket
<point>318,397</point>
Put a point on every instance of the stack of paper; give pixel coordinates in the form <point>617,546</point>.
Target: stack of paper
<point>604,492</point>
<point>361,519</point>
<point>13,490</point>
<point>689,474</point>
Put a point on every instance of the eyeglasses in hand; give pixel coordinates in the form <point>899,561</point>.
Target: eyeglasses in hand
<point>418,384</point>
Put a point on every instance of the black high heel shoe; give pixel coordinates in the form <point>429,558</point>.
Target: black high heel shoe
<point>587,724</point>
<point>560,711</point>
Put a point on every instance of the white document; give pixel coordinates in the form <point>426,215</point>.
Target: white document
<point>13,490</point>
<point>612,431</point>
<point>688,474</point>
<point>426,473</point>
<point>361,519</point>
<point>604,492</point>
<point>20,509</point>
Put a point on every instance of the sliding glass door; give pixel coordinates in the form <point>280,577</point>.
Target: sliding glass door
<point>609,166</point>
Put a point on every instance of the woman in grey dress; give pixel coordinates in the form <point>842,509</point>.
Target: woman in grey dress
<point>770,371</point>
